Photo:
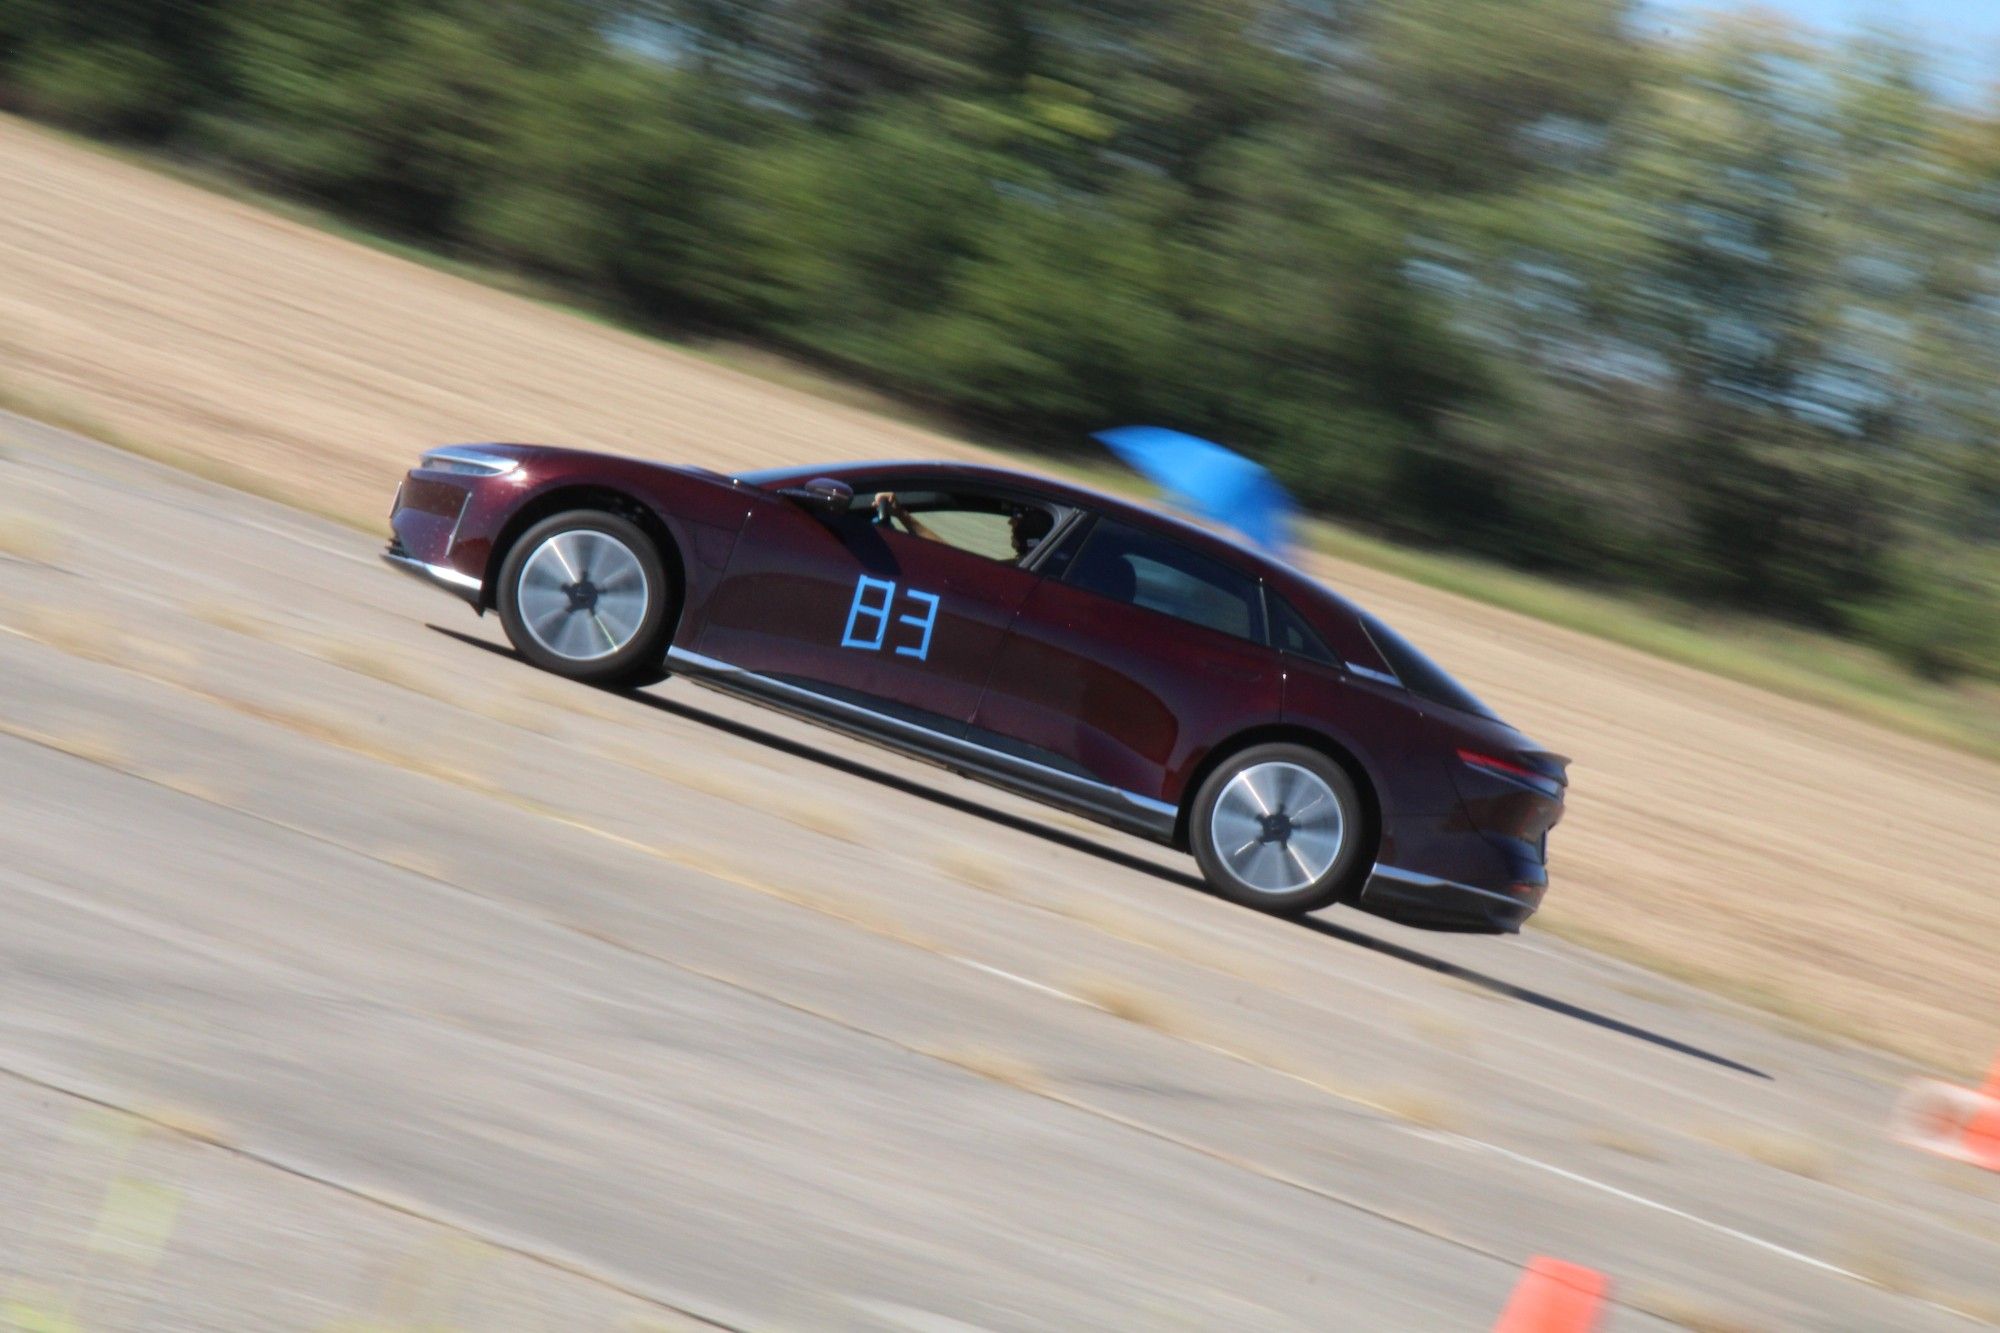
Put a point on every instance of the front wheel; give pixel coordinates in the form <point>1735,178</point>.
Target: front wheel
<point>1280,828</point>
<point>585,595</point>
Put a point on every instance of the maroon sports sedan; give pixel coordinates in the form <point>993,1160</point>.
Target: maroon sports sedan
<point>1133,668</point>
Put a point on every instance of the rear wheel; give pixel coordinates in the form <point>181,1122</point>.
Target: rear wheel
<point>1280,828</point>
<point>585,594</point>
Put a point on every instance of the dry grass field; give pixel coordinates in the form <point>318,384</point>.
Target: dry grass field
<point>1832,871</point>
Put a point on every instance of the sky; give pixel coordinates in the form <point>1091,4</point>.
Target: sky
<point>1964,35</point>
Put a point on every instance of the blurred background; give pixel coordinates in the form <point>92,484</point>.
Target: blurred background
<point>355,977</point>
<point>1702,304</point>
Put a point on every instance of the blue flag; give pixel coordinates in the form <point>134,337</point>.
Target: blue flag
<point>1206,479</point>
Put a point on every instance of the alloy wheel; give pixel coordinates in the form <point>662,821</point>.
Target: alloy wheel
<point>582,594</point>
<point>1277,827</point>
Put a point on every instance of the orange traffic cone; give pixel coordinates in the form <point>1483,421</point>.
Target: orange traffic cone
<point>1555,1297</point>
<point>1982,1131</point>
<point>1951,1121</point>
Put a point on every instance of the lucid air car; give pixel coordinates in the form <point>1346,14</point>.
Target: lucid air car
<point>1145,672</point>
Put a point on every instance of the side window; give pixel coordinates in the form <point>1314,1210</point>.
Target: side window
<point>1421,676</point>
<point>996,526</point>
<point>1128,565</point>
<point>1291,634</point>
<point>955,523</point>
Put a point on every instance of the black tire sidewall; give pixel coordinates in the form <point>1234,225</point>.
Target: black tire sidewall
<point>1331,886</point>
<point>638,660</point>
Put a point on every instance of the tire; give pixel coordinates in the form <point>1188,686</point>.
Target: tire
<point>1241,831</point>
<point>560,617</point>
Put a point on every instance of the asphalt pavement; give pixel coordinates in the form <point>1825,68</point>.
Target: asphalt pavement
<point>356,974</point>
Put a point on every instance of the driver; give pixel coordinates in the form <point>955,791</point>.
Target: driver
<point>1027,525</point>
<point>887,506</point>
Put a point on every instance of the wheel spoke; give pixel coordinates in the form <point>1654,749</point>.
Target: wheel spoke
<point>1317,847</point>
<point>1236,823</point>
<point>563,556</point>
<point>1278,877</point>
<point>548,622</point>
<point>1290,786</point>
<point>1326,824</point>
<point>623,612</point>
<point>587,549</point>
<point>1247,866</point>
<point>612,642</point>
<point>574,638</point>
<point>1269,788</point>
<point>544,576</point>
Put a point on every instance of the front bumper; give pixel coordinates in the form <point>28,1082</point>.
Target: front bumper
<point>438,576</point>
<point>424,527</point>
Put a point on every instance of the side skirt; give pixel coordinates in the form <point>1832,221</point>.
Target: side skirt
<point>1124,810</point>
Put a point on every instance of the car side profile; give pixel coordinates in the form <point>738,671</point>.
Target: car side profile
<point>1065,644</point>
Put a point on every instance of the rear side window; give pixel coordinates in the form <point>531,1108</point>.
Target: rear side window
<point>1128,565</point>
<point>1291,634</point>
<point>1421,676</point>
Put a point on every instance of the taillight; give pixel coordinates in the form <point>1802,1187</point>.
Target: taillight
<point>1505,768</point>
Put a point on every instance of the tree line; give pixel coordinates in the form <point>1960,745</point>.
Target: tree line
<point>1718,317</point>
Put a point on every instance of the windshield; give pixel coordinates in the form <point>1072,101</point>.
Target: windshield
<point>1421,676</point>
<point>764,476</point>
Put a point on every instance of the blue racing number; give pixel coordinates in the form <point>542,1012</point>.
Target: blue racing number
<point>925,622</point>
<point>862,610</point>
<point>870,612</point>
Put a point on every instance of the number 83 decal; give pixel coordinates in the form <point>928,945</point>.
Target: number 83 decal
<point>872,614</point>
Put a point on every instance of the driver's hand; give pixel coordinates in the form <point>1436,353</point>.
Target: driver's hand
<point>885,505</point>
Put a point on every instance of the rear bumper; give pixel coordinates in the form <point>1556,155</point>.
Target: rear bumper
<point>1416,899</point>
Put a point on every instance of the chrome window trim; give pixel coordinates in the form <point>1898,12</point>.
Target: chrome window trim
<point>717,667</point>
<point>1370,673</point>
<point>1071,518</point>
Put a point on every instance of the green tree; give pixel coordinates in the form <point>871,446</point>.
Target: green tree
<point>1720,314</point>
<point>124,67</point>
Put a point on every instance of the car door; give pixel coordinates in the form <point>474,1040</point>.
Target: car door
<point>863,613</point>
<point>1129,665</point>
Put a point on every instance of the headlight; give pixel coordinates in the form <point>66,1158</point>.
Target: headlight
<point>469,460</point>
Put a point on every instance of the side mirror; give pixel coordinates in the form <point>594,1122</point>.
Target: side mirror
<point>822,495</point>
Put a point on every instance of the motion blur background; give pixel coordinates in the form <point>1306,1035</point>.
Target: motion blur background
<point>1706,306</point>
<point>416,983</point>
